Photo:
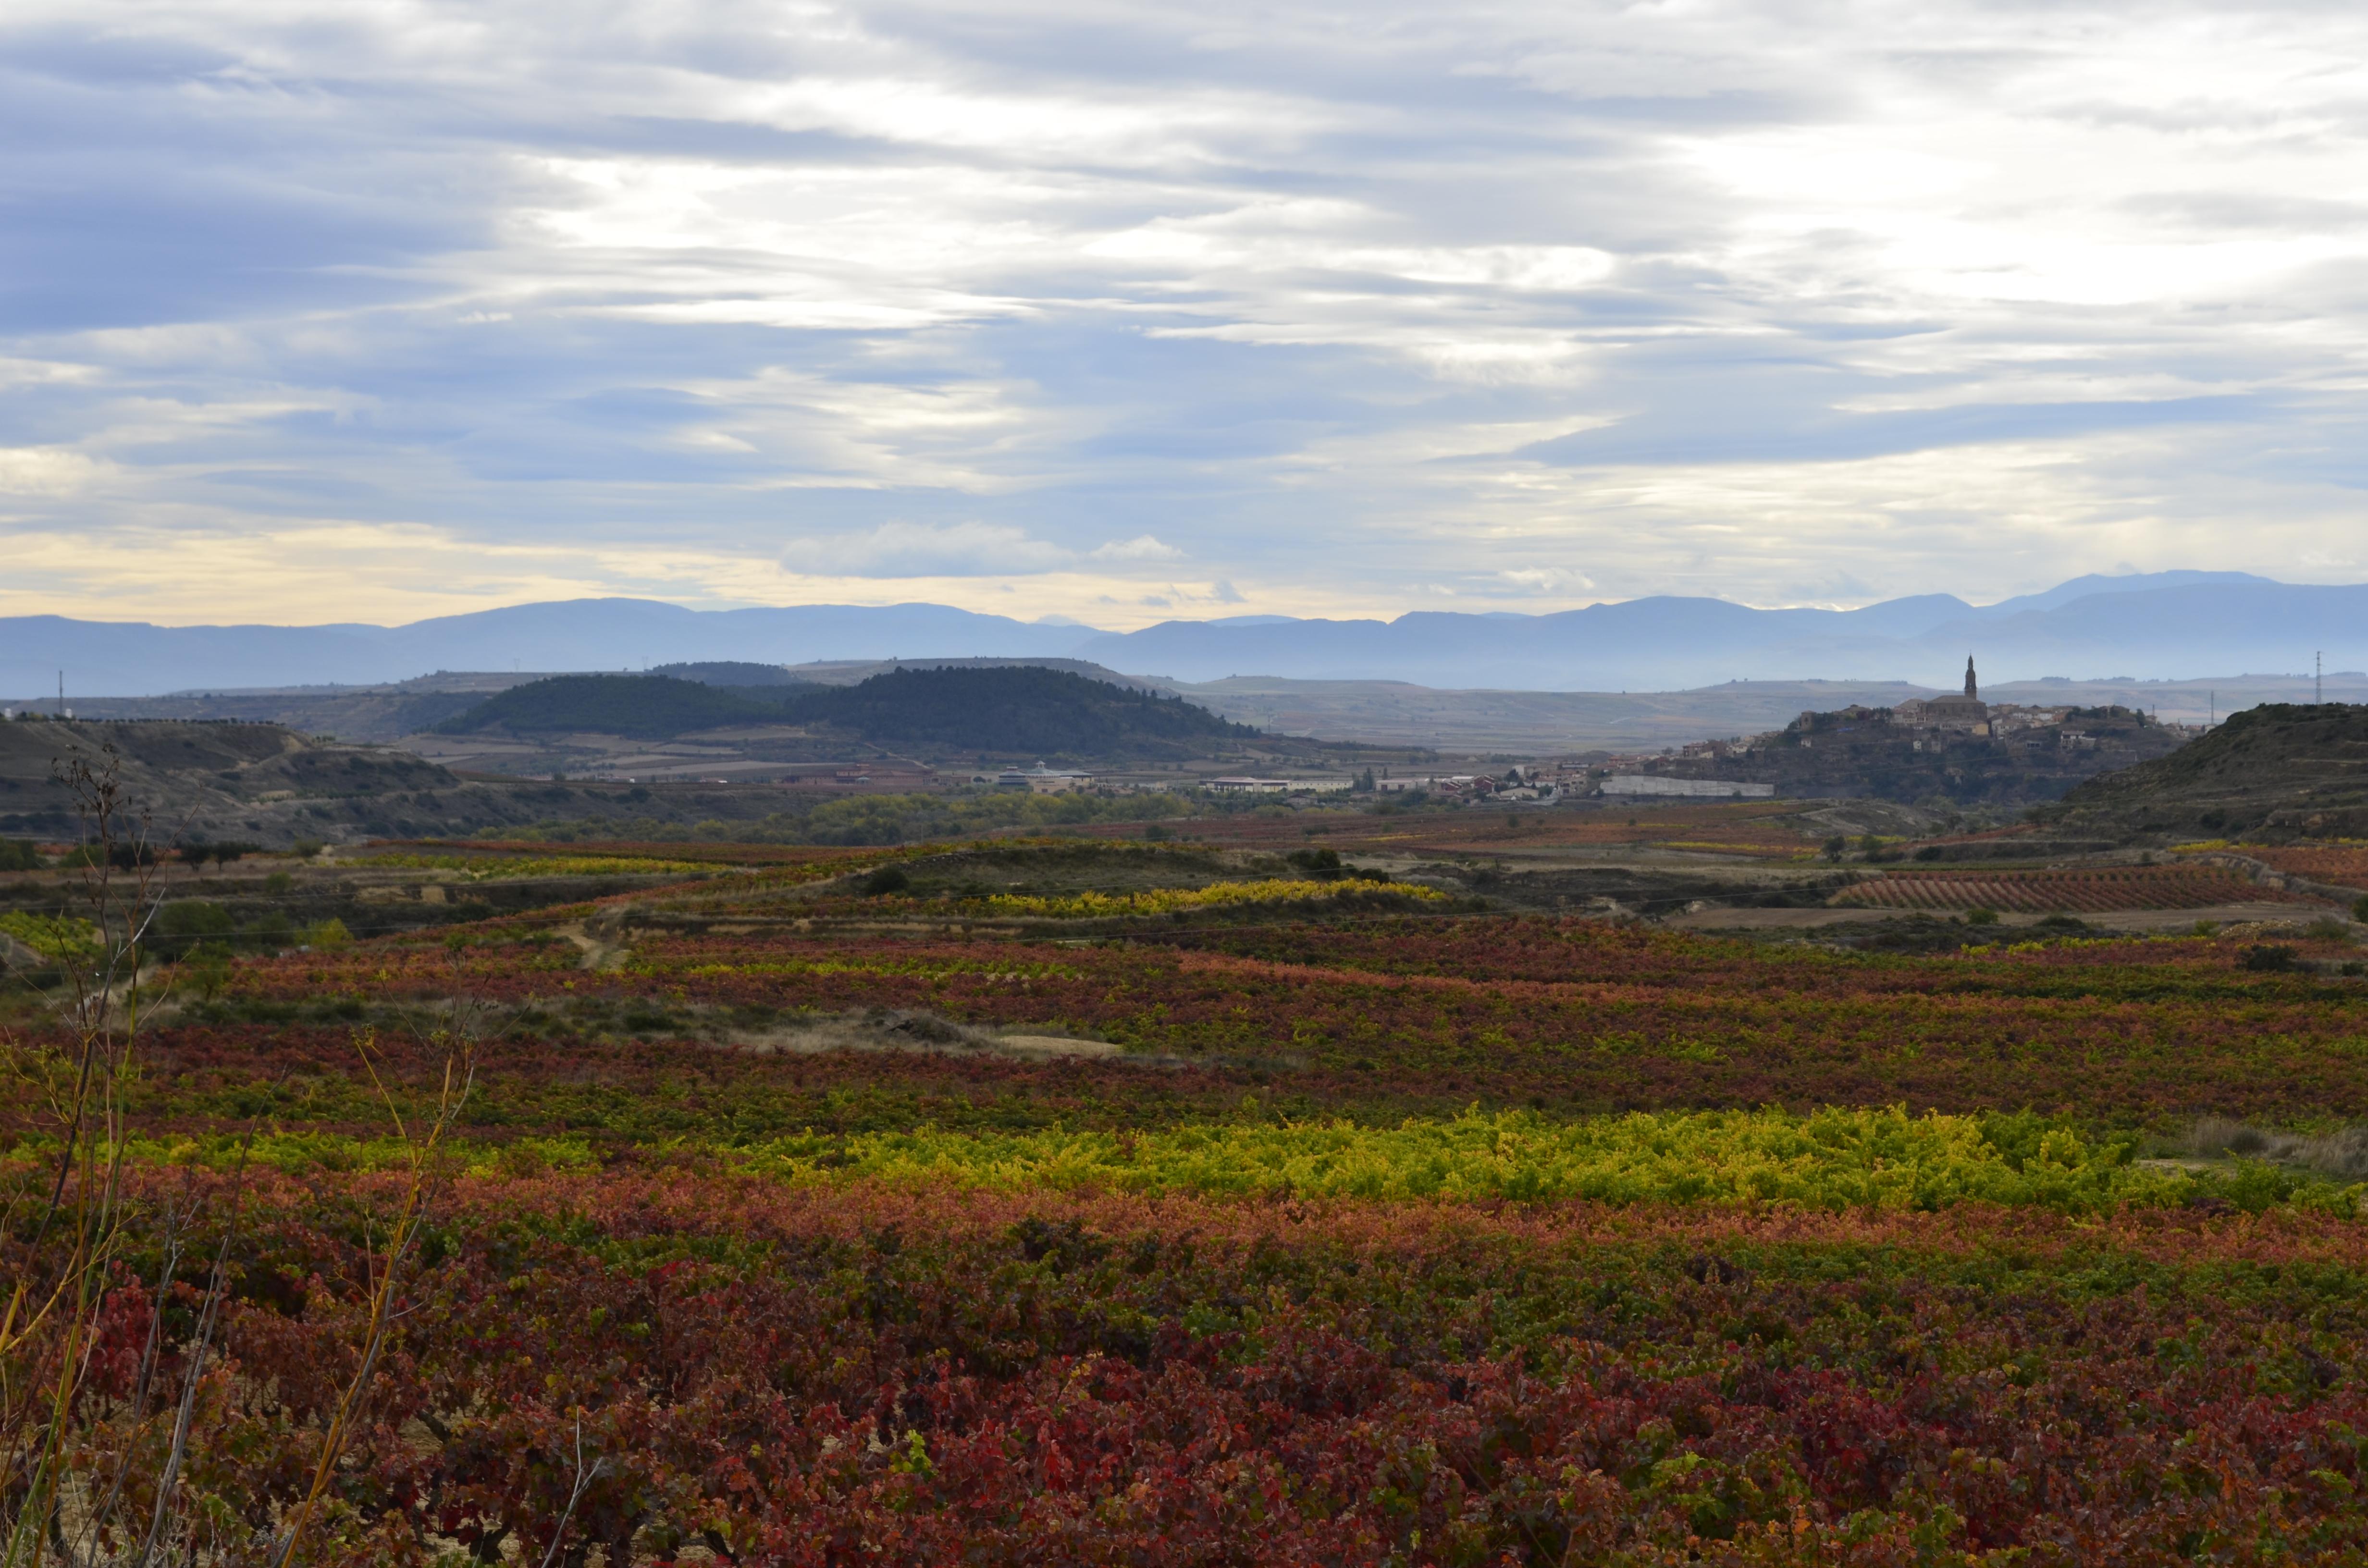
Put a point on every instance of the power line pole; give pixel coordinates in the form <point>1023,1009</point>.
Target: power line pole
<point>2317,678</point>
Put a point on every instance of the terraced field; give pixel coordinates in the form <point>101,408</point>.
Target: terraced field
<point>2343,864</point>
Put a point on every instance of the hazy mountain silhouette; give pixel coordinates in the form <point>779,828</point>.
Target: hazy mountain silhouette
<point>102,658</point>
<point>2174,624</point>
<point>2157,625</point>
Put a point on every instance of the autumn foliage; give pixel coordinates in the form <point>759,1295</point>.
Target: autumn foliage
<point>1383,1238</point>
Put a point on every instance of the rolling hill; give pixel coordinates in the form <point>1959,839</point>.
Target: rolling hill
<point>221,781</point>
<point>639,707</point>
<point>730,674</point>
<point>1018,710</point>
<point>2279,771</point>
<point>1010,710</point>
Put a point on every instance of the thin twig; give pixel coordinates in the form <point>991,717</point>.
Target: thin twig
<point>583,1480</point>
<point>460,1073</point>
<point>217,1290</point>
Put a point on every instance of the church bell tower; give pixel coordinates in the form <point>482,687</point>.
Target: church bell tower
<point>1971,691</point>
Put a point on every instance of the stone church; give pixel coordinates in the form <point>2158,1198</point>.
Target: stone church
<point>1968,713</point>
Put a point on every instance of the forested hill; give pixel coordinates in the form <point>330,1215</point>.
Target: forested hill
<point>732,673</point>
<point>641,707</point>
<point>1015,710</point>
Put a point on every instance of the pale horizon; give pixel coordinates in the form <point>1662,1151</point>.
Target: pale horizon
<point>1055,619</point>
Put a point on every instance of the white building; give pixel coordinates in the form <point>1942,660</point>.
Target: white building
<point>1240,786</point>
<point>1711,789</point>
<point>1042,780</point>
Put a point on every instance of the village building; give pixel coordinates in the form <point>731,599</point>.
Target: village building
<point>2010,718</point>
<point>1708,788</point>
<point>1435,784</point>
<point>1040,779</point>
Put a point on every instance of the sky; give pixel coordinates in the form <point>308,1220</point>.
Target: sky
<point>1128,313</point>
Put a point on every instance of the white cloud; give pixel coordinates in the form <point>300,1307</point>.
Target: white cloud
<point>1143,547</point>
<point>47,470</point>
<point>1546,579</point>
<point>1358,307</point>
<point>922,550</point>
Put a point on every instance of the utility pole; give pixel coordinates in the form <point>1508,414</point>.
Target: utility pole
<point>62,694</point>
<point>2317,678</point>
<point>2210,709</point>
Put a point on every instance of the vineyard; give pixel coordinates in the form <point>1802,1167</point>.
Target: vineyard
<point>2343,864</point>
<point>2103,889</point>
<point>761,1217</point>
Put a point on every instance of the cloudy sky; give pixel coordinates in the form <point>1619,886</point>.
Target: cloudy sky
<point>1122,312</point>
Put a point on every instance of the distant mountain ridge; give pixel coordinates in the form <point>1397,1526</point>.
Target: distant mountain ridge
<point>2157,625</point>
<point>133,658</point>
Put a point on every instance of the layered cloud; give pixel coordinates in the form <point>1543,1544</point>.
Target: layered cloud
<point>393,311</point>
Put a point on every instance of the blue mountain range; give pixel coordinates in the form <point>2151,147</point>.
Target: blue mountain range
<point>2162,625</point>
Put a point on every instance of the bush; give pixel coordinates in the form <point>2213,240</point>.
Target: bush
<point>60,938</point>
<point>2360,908</point>
<point>16,855</point>
<point>206,969</point>
<point>2269,958</point>
<point>307,847</point>
<point>122,857</point>
<point>278,882</point>
<point>887,880</point>
<point>1979,916</point>
<point>1325,859</point>
<point>193,917</point>
<point>327,935</point>
<point>272,931</point>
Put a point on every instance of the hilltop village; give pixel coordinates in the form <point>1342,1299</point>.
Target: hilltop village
<point>1955,749</point>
